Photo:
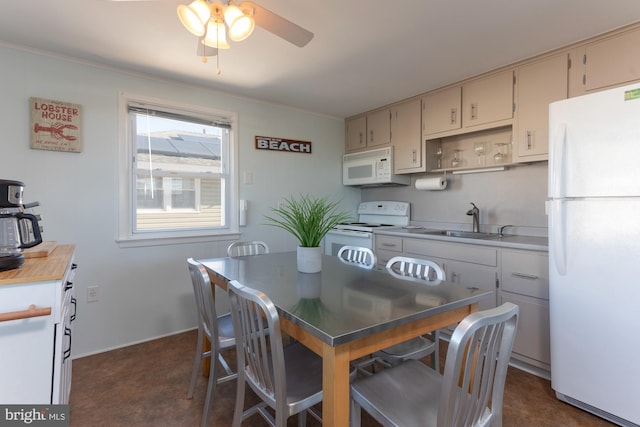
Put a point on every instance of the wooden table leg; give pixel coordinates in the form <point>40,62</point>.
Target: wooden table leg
<point>335,386</point>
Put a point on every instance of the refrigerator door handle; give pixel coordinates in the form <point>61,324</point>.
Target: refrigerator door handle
<point>557,165</point>
<point>558,240</point>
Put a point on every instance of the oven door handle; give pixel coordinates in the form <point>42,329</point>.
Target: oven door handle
<point>352,233</point>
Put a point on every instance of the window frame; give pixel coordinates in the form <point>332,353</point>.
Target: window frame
<point>127,172</point>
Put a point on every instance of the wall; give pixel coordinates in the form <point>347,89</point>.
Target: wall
<point>515,196</point>
<point>145,292</point>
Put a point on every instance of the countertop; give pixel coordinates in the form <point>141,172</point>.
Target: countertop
<point>42,269</point>
<point>507,241</point>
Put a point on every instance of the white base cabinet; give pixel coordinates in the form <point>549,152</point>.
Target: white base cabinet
<point>37,308</point>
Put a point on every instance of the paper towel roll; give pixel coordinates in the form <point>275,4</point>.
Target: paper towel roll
<point>438,183</point>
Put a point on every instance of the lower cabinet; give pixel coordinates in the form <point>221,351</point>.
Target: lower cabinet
<point>514,275</point>
<point>37,308</point>
<point>525,282</point>
<point>474,266</point>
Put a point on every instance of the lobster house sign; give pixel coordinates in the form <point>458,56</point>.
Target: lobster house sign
<point>55,125</point>
<point>281,144</point>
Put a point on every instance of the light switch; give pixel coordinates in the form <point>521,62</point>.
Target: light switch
<point>248,178</point>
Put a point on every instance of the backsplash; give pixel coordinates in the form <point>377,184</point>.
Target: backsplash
<point>515,196</point>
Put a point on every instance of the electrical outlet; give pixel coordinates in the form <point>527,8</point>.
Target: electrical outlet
<point>93,293</point>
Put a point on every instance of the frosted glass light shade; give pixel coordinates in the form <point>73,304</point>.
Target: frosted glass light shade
<point>195,16</point>
<point>240,24</point>
<point>215,36</point>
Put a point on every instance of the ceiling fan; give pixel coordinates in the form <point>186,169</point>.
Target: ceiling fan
<point>213,21</point>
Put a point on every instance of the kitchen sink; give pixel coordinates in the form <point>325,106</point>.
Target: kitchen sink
<point>462,234</point>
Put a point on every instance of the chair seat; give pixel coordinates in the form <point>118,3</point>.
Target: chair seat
<point>226,336</point>
<point>406,395</point>
<point>415,348</point>
<point>304,375</point>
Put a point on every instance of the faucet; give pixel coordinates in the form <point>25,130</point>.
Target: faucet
<point>501,230</point>
<point>475,212</point>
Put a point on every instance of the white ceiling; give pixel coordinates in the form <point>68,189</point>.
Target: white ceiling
<point>365,53</point>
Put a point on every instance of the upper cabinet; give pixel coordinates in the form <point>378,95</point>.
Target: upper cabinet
<point>499,118</point>
<point>537,85</point>
<point>488,100</point>
<point>442,111</point>
<point>406,138</point>
<point>607,62</point>
<point>372,130</point>
<point>483,103</point>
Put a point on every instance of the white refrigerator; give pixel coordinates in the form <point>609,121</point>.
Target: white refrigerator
<point>594,252</point>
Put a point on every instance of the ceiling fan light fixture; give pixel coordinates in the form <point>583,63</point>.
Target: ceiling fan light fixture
<point>215,36</point>
<point>195,17</point>
<point>240,24</point>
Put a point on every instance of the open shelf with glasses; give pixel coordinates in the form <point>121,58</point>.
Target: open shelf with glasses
<point>477,150</point>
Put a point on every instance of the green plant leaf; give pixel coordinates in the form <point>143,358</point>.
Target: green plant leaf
<point>308,218</point>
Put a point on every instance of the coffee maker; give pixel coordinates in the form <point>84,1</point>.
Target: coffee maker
<point>18,230</point>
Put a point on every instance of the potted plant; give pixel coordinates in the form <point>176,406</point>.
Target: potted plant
<point>309,219</point>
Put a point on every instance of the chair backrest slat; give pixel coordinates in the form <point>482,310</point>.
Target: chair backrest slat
<point>259,349</point>
<point>476,368</point>
<point>415,268</point>
<point>205,304</point>
<point>356,255</point>
<point>240,248</point>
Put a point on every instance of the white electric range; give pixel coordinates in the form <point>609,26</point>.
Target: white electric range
<point>371,216</point>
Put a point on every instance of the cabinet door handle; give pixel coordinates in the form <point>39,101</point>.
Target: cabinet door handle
<point>361,138</point>
<point>371,135</point>
<point>453,115</point>
<point>68,285</point>
<point>388,245</point>
<point>75,309</point>
<point>67,351</point>
<point>415,157</point>
<point>529,139</point>
<point>525,276</point>
<point>32,311</point>
<point>474,111</point>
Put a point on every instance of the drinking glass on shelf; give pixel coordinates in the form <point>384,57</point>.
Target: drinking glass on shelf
<point>500,155</point>
<point>439,154</point>
<point>479,149</point>
<point>457,158</point>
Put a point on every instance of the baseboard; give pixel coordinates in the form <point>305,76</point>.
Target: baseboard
<point>104,350</point>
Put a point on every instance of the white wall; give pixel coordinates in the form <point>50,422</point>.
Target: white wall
<point>144,292</point>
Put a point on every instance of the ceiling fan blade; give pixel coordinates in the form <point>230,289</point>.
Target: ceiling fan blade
<point>279,26</point>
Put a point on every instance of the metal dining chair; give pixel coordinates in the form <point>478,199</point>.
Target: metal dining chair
<point>468,394</point>
<point>287,379</point>
<point>240,248</point>
<point>217,329</point>
<point>362,257</point>
<point>416,348</point>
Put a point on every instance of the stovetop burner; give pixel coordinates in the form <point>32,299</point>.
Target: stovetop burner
<point>376,215</point>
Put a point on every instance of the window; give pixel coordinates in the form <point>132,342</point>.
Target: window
<point>179,181</point>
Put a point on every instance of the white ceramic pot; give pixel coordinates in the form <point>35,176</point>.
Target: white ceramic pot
<point>309,259</point>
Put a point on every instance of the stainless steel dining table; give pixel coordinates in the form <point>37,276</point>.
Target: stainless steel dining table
<point>346,312</point>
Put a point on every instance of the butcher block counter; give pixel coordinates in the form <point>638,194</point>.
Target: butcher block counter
<point>40,268</point>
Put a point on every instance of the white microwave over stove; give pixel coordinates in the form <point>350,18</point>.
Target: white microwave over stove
<point>372,168</point>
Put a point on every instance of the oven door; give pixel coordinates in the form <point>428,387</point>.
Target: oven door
<point>335,239</point>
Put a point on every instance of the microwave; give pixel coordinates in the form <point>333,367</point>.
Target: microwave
<point>373,168</point>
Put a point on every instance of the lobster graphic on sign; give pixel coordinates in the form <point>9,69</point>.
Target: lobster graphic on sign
<point>55,125</point>
<point>56,130</point>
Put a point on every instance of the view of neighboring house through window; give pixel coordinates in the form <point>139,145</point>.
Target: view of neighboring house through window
<point>180,170</point>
